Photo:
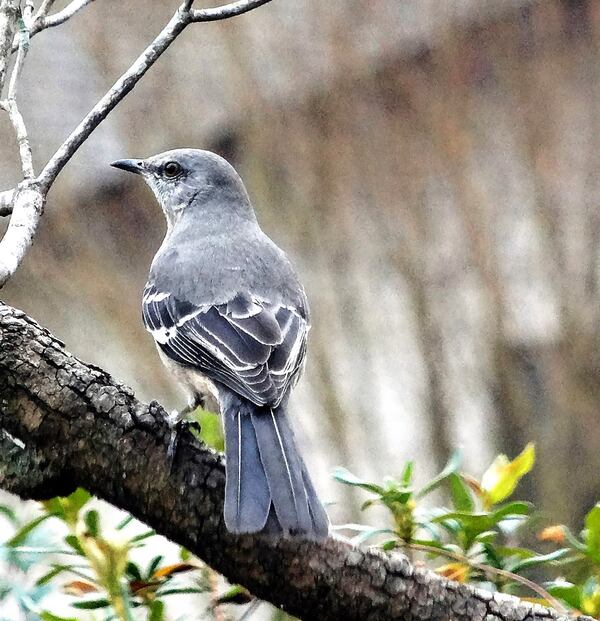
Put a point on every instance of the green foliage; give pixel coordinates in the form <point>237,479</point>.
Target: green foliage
<point>96,567</point>
<point>211,431</point>
<point>476,537</point>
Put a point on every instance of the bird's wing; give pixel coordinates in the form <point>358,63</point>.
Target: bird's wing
<point>252,346</point>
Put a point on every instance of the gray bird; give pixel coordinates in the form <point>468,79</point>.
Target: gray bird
<point>230,320</point>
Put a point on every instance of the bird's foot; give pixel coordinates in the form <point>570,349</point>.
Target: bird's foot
<point>177,425</point>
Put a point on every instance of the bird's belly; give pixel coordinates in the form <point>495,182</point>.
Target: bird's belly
<point>193,382</point>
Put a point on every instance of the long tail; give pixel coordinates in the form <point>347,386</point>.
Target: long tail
<point>267,488</point>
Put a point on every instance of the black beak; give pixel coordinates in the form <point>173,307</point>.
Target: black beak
<point>134,166</point>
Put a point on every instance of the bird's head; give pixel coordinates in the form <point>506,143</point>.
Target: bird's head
<point>185,180</point>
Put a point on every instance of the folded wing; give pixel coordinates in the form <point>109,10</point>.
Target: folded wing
<point>255,347</point>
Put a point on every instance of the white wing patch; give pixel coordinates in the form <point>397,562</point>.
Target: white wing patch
<point>155,297</point>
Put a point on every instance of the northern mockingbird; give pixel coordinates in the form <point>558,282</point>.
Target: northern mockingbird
<point>230,319</point>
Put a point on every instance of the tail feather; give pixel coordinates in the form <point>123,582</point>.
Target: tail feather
<point>267,488</point>
<point>247,498</point>
<point>319,518</point>
<point>283,468</point>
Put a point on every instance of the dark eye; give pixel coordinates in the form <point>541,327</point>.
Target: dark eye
<point>171,170</point>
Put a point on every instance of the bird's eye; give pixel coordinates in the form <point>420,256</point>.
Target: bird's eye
<point>171,170</point>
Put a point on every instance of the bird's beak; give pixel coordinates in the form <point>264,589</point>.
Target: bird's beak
<point>134,166</point>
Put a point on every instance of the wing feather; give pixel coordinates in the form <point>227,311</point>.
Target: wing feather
<point>252,346</point>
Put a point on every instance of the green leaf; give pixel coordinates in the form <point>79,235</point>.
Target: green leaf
<point>67,508</point>
<point>450,468</point>
<point>133,571</point>
<point>153,566</point>
<point>407,474</point>
<point>8,513</point>
<point>74,543</point>
<point>462,498</point>
<point>157,611</point>
<point>91,604</point>
<point>470,525</point>
<point>211,430</point>
<point>511,510</point>
<point>45,615</point>
<point>345,476</point>
<point>592,532</point>
<point>123,523</point>
<point>569,593</point>
<point>21,535</point>
<point>365,531</point>
<point>395,496</point>
<point>492,557</point>
<point>142,536</point>
<point>573,541</point>
<point>537,560</point>
<point>234,595</point>
<point>55,571</point>
<point>184,554</point>
<point>590,597</point>
<point>487,536</point>
<point>501,478</point>
<point>181,591</point>
<point>92,521</point>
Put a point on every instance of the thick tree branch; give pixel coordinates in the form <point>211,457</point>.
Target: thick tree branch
<point>76,426</point>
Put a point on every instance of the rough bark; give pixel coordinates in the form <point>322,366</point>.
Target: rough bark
<point>80,427</point>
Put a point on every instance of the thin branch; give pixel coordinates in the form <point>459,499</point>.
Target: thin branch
<point>9,10</point>
<point>109,101</point>
<point>226,11</point>
<point>27,201</point>
<point>13,250</point>
<point>10,105</point>
<point>62,16</point>
<point>43,10</point>
<point>43,21</point>
<point>182,18</point>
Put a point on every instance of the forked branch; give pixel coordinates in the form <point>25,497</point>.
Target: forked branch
<point>11,254</point>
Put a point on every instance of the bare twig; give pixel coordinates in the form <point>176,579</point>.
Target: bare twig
<point>10,105</point>
<point>9,10</point>
<point>119,90</point>
<point>43,10</point>
<point>43,21</point>
<point>182,18</point>
<point>62,16</point>
<point>226,11</point>
<point>185,15</point>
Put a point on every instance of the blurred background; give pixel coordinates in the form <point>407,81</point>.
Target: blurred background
<point>433,169</point>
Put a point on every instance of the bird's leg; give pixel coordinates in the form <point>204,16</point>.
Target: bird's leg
<point>177,422</point>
